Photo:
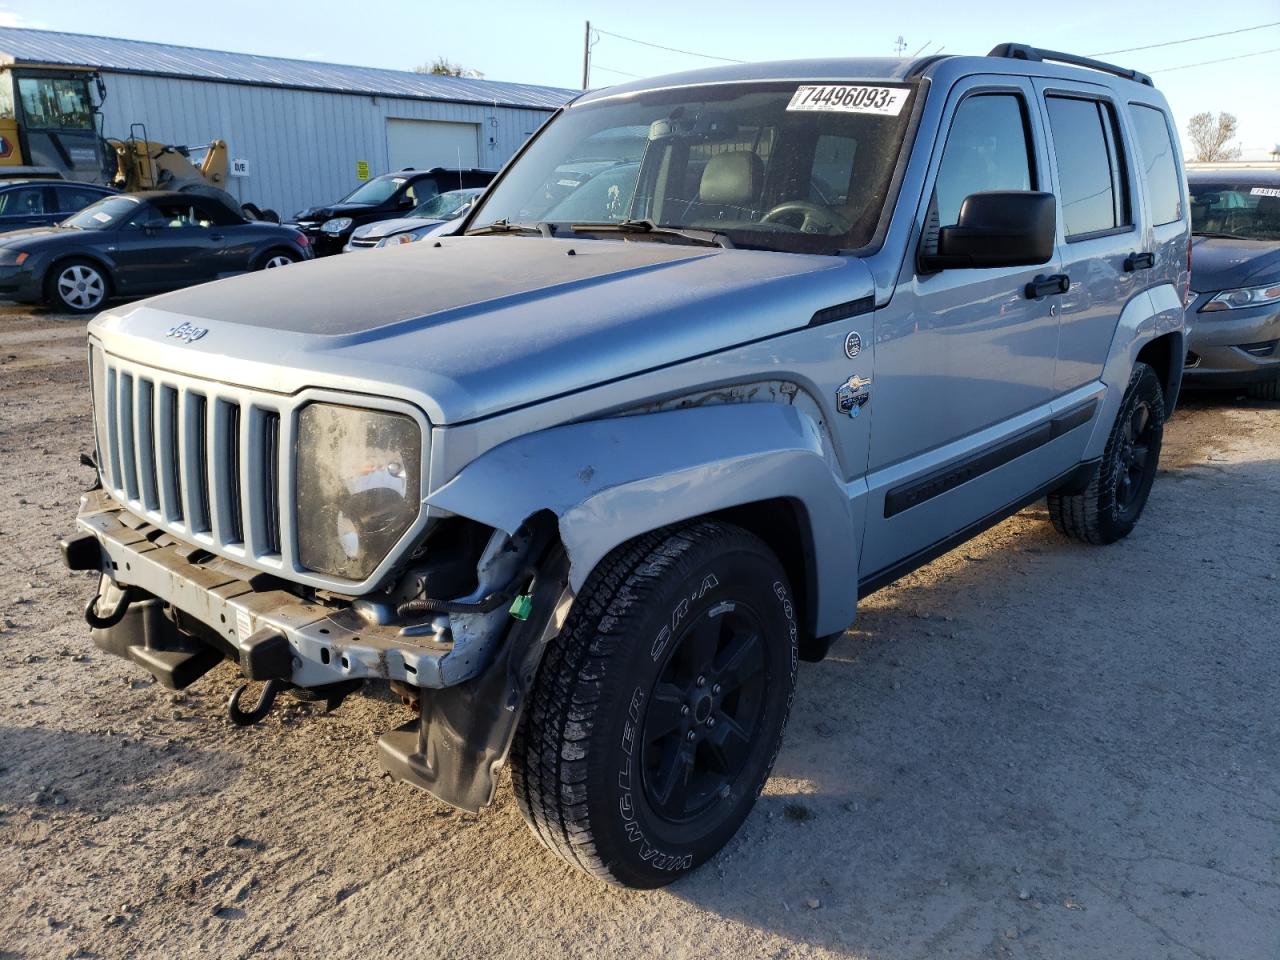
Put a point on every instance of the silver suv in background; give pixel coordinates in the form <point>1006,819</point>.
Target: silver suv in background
<point>584,482</point>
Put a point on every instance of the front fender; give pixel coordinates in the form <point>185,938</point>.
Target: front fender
<point>610,480</point>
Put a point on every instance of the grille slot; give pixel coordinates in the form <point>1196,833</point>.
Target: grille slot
<point>170,471</point>
<point>197,416</point>
<point>270,488</point>
<point>144,427</point>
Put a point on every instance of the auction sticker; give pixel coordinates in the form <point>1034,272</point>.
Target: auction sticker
<point>847,98</point>
<point>1265,192</point>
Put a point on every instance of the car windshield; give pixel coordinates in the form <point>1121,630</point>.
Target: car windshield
<point>104,214</point>
<point>1246,211</point>
<point>445,206</point>
<point>375,191</point>
<point>778,165</point>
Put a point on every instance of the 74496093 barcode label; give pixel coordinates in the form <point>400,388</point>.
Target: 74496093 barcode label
<point>850,98</point>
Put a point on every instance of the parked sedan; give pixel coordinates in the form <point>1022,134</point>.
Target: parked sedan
<point>416,224</point>
<point>139,243</point>
<point>41,203</point>
<point>1235,276</point>
<point>391,195</point>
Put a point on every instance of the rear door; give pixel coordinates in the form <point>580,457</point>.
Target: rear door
<point>1099,240</point>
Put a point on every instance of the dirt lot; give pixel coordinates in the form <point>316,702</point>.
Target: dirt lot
<point>1027,749</point>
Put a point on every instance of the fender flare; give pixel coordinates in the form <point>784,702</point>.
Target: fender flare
<point>610,480</point>
<point>1153,313</point>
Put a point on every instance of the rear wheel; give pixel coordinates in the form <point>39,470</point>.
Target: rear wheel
<point>1110,505</point>
<point>657,713</point>
<point>277,258</point>
<point>78,286</point>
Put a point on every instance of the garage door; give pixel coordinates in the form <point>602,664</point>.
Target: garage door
<point>423,144</point>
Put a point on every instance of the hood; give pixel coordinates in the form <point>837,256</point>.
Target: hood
<point>477,325</point>
<point>333,210</point>
<point>14,238</point>
<point>1221,264</point>
<point>385,228</point>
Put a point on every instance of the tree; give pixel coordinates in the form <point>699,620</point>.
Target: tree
<point>443,67</point>
<point>1209,134</point>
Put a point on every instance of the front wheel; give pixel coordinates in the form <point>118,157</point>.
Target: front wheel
<point>277,258</point>
<point>1109,507</point>
<point>656,715</point>
<point>77,286</point>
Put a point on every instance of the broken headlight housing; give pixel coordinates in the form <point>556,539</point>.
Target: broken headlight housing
<point>358,486</point>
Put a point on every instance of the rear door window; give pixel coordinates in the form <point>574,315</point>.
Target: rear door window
<point>71,199</point>
<point>1158,164</point>
<point>1091,182</point>
<point>987,149</point>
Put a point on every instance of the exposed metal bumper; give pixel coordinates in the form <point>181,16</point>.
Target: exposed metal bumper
<point>329,644</point>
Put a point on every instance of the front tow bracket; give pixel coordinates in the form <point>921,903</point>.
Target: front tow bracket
<point>266,700</point>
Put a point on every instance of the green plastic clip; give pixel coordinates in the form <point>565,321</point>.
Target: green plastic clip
<point>522,606</point>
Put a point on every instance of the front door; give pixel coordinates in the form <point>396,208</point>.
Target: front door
<point>964,358</point>
<point>165,245</point>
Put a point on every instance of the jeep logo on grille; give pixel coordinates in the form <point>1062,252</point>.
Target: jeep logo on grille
<point>186,332</point>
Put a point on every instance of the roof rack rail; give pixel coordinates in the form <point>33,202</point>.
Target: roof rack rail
<point>1022,51</point>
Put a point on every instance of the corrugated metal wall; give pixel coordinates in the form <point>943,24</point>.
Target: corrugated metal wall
<point>302,146</point>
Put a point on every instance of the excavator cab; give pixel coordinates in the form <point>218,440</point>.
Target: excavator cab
<point>49,124</point>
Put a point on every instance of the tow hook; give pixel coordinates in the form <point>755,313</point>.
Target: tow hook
<point>106,621</point>
<point>267,699</point>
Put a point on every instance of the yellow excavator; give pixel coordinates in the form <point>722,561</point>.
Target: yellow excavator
<point>50,126</point>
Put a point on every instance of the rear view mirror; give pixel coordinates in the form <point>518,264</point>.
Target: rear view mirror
<point>998,228</point>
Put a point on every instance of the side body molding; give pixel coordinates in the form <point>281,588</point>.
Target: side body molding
<point>610,480</point>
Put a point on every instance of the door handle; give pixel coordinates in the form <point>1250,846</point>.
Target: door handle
<point>1139,261</point>
<point>1046,286</point>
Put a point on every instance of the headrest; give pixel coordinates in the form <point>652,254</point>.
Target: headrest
<point>733,178</point>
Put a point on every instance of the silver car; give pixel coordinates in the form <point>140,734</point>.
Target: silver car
<point>420,222</point>
<point>584,482</point>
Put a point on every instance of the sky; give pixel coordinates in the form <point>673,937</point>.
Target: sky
<point>542,42</point>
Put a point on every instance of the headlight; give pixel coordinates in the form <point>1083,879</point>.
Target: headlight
<point>336,225</point>
<point>10,256</point>
<point>398,238</point>
<point>1244,297</point>
<point>357,486</point>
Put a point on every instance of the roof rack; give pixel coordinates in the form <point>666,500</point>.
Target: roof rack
<point>1022,51</point>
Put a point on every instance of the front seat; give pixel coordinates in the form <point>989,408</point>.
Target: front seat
<point>730,188</point>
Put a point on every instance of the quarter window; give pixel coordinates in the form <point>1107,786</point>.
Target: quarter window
<point>1092,185</point>
<point>1160,169</point>
<point>987,149</point>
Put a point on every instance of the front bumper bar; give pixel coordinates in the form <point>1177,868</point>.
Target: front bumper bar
<point>330,644</point>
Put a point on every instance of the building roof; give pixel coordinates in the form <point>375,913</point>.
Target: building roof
<point>22,46</point>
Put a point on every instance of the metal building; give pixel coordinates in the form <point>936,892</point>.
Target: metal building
<point>304,132</point>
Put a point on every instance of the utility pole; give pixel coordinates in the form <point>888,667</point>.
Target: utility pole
<point>586,57</point>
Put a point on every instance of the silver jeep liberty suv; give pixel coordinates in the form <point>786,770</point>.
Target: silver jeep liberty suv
<point>715,355</point>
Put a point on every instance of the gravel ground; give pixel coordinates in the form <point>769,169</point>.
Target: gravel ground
<point>1028,748</point>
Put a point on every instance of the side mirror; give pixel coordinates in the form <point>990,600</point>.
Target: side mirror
<point>152,227</point>
<point>998,228</point>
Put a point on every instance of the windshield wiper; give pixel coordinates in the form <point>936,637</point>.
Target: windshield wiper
<point>705,238</point>
<point>510,226</point>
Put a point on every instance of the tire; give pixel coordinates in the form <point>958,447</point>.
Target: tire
<point>600,761</point>
<point>1109,507</point>
<point>77,286</point>
<point>273,259</point>
<point>1270,390</point>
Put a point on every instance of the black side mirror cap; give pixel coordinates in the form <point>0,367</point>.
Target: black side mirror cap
<point>998,228</point>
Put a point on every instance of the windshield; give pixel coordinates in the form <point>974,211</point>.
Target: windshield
<point>104,214</point>
<point>445,206</point>
<point>56,103</point>
<point>1246,211</point>
<point>375,191</point>
<point>778,166</point>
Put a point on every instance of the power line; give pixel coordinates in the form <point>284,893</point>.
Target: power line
<point>658,46</point>
<point>601,66</point>
<point>1205,63</point>
<point>1174,43</point>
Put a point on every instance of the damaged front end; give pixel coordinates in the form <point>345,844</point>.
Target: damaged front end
<point>458,634</point>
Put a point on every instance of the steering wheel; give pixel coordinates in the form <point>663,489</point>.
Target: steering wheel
<point>817,218</point>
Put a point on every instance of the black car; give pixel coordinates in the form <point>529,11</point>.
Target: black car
<point>1235,278</point>
<point>132,244</point>
<point>39,203</point>
<point>391,195</point>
